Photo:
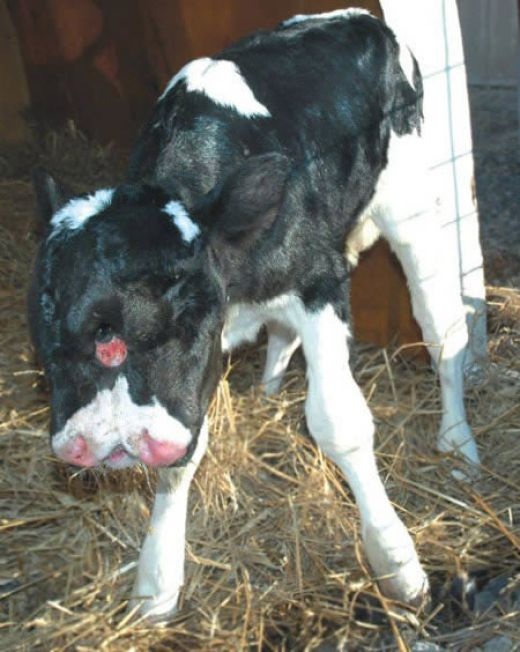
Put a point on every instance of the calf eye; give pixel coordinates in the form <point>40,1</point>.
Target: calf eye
<point>175,280</point>
<point>104,333</point>
<point>158,285</point>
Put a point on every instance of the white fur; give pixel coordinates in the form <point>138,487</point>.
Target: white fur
<point>221,81</point>
<point>244,320</point>
<point>362,236</point>
<point>337,13</point>
<point>75,213</point>
<point>282,342</point>
<point>112,419</point>
<point>160,573</point>
<point>340,422</point>
<point>189,230</point>
<point>243,323</point>
<point>402,209</point>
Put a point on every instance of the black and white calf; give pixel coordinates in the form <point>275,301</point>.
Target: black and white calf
<point>259,164</point>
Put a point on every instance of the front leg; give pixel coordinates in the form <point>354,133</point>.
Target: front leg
<point>160,572</point>
<point>340,422</point>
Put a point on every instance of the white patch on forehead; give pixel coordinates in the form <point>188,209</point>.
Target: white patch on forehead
<point>189,230</point>
<point>112,419</point>
<point>337,13</point>
<point>76,212</point>
<point>221,81</point>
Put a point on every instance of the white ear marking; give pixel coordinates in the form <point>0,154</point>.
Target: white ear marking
<point>76,212</point>
<point>189,230</point>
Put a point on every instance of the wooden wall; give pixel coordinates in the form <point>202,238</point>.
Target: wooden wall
<point>102,63</point>
<point>14,92</point>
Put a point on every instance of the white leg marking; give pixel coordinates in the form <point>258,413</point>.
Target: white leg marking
<point>403,209</point>
<point>160,573</point>
<point>281,344</point>
<point>340,422</point>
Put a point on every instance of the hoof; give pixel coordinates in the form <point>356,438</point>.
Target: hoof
<point>271,386</point>
<point>408,585</point>
<point>468,473</point>
<point>157,611</point>
<point>459,440</point>
<point>392,556</point>
<point>461,443</point>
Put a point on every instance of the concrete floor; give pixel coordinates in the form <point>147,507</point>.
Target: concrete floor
<point>496,136</point>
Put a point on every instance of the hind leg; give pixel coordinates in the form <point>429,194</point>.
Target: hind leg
<point>437,306</point>
<point>281,344</point>
<point>403,209</point>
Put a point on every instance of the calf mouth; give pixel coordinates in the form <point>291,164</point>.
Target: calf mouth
<point>119,458</point>
<point>80,451</point>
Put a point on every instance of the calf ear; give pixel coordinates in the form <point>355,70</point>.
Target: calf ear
<point>50,196</point>
<point>248,200</point>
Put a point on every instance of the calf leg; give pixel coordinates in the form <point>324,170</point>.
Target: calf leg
<point>160,573</point>
<point>282,342</point>
<point>340,422</point>
<point>437,306</point>
<point>403,210</point>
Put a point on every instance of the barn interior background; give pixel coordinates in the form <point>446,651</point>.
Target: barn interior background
<point>77,78</point>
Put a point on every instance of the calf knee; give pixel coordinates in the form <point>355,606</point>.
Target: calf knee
<point>339,425</point>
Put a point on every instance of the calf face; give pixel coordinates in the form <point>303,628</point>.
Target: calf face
<point>113,325</point>
<point>127,307</point>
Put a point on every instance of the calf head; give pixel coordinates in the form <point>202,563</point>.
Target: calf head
<point>126,309</point>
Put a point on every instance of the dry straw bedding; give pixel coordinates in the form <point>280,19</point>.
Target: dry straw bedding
<point>274,560</point>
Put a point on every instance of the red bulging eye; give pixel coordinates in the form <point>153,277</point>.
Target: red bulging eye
<point>112,353</point>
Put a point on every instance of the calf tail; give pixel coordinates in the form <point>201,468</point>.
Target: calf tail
<point>407,107</point>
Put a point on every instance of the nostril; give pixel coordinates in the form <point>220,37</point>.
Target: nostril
<point>159,453</point>
<point>80,444</point>
<point>77,452</point>
<point>78,448</point>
